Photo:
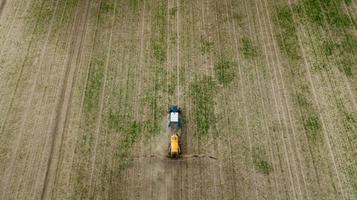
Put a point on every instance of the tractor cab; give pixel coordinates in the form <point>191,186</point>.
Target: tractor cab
<point>175,117</point>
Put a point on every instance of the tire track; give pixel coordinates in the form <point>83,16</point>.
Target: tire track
<point>178,51</point>
<point>262,104</point>
<point>210,63</point>
<point>100,113</point>
<point>121,82</point>
<point>168,57</point>
<point>305,133</point>
<point>189,106</point>
<point>66,129</point>
<point>124,174</point>
<point>12,23</point>
<point>330,76</point>
<point>208,59</point>
<point>24,171</point>
<point>88,70</point>
<point>347,10</point>
<point>152,179</point>
<point>326,137</point>
<point>128,192</point>
<point>331,85</point>
<point>198,144</point>
<point>5,84</point>
<point>186,105</point>
<point>51,115</point>
<point>40,118</point>
<point>282,122</point>
<point>286,153</point>
<point>134,170</point>
<point>300,113</point>
<point>28,107</point>
<point>329,35</point>
<point>285,104</point>
<point>116,86</point>
<point>64,100</point>
<point>139,107</point>
<point>2,128</point>
<point>169,99</point>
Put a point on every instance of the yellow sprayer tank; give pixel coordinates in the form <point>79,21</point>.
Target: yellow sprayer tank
<point>174,146</point>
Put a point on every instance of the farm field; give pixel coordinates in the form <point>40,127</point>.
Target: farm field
<point>268,90</point>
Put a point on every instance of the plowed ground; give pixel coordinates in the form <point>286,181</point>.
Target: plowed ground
<point>268,91</point>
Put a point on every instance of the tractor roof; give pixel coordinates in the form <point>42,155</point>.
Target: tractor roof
<point>174,117</point>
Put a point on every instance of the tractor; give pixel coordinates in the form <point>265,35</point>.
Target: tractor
<point>174,127</point>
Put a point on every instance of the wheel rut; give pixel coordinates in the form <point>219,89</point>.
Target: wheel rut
<point>307,65</point>
<point>39,62</point>
<point>65,97</point>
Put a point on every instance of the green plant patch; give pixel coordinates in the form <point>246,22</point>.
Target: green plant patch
<point>313,127</point>
<point>132,132</point>
<point>313,12</point>
<point>127,127</point>
<point>95,82</point>
<point>117,121</point>
<point>202,94</point>
<point>106,6</point>
<point>348,2</point>
<point>335,15</point>
<point>247,48</point>
<point>287,38</point>
<point>225,71</point>
<point>261,165</point>
<point>160,22</point>
<point>318,11</point>
<point>41,13</point>
<point>350,118</point>
<point>134,4</point>
<point>302,101</point>
<point>329,47</point>
<point>350,123</point>
<point>152,100</point>
<point>349,44</point>
<point>173,11</point>
<point>159,52</point>
<point>206,46</point>
<point>345,66</point>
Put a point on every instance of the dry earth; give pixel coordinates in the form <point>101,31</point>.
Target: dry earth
<point>268,89</point>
